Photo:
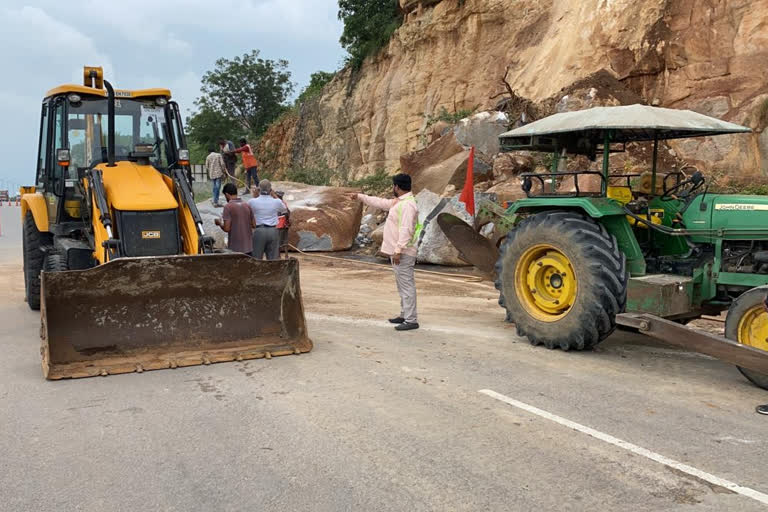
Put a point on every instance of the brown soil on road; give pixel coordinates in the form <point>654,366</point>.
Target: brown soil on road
<point>351,289</point>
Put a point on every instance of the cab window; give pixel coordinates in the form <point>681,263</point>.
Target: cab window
<point>58,142</point>
<point>42,150</point>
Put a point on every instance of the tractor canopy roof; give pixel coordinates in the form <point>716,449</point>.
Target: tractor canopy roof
<point>580,132</point>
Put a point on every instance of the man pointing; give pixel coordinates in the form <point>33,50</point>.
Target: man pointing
<point>401,234</point>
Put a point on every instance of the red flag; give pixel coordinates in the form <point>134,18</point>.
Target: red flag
<point>468,194</point>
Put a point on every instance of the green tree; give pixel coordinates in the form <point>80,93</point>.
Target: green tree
<point>368,25</point>
<point>317,81</point>
<point>207,126</point>
<point>248,90</point>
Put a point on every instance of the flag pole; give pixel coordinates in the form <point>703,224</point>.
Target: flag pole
<point>468,193</point>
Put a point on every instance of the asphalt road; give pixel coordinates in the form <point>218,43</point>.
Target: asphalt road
<point>377,420</point>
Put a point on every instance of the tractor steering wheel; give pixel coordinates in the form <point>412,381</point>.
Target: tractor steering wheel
<point>685,188</point>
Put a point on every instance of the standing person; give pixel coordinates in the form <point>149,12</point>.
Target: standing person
<point>236,220</point>
<point>249,164</point>
<point>401,233</point>
<point>230,159</point>
<point>266,208</point>
<point>214,165</point>
<point>283,223</point>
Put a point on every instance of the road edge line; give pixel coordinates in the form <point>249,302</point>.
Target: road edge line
<point>633,448</point>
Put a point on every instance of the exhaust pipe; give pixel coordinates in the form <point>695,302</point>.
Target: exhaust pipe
<point>110,124</point>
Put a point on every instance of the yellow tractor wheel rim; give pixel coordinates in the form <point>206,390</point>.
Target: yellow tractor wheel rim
<point>545,282</point>
<point>753,328</point>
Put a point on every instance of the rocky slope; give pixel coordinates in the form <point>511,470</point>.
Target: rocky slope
<point>707,55</point>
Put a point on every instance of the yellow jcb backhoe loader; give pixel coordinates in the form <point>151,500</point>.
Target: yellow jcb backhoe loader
<point>115,255</point>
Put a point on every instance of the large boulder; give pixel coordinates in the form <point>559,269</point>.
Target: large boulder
<point>209,214</point>
<point>444,161</point>
<point>435,248</point>
<point>450,172</point>
<point>435,178</point>
<point>322,218</point>
<point>437,130</point>
<point>510,190</point>
<point>436,152</point>
<point>482,130</point>
<point>588,184</point>
<point>509,165</point>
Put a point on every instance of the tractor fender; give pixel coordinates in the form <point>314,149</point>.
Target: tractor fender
<point>36,204</point>
<point>595,207</point>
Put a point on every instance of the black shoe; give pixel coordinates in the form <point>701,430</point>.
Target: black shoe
<point>762,409</point>
<point>397,320</point>
<point>407,326</point>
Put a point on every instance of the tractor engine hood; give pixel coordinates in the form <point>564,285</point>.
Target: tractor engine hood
<point>727,212</point>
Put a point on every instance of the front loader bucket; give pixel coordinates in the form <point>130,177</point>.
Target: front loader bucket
<point>137,314</point>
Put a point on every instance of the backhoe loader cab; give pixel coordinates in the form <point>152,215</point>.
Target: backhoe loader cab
<point>115,253</point>
<point>121,154</point>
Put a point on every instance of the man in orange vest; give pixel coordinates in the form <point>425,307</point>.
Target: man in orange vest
<point>249,164</point>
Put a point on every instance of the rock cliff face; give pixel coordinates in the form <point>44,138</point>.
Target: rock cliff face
<point>706,55</point>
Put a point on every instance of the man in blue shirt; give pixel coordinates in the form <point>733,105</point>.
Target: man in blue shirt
<point>266,208</point>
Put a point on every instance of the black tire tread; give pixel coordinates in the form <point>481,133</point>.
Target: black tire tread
<point>56,262</point>
<point>608,283</point>
<point>32,243</point>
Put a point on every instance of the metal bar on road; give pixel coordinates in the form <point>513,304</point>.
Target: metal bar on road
<point>709,344</point>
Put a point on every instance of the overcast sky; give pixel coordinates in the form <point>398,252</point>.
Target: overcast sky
<point>144,43</point>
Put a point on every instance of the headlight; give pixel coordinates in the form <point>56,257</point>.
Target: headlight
<point>183,154</point>
<point>74,98</point>
<point>63,157</point>
<point>161,102</point>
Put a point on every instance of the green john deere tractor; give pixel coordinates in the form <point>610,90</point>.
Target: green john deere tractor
<point>589,250</point>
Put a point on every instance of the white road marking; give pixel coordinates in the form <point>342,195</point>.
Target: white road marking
<point>637,450</point>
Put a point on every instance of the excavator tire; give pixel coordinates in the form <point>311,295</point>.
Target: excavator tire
<point>33,256</point>
<point>747,323</point>
<point>55,262</point>
<point>562,280</point>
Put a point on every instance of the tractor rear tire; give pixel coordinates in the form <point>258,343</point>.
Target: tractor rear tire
<point>747,323</point>
<point>563,280</point>
<point>33,256</point>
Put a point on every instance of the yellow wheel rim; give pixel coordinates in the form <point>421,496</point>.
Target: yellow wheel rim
<point>545,282</point>
<point>753,328</point>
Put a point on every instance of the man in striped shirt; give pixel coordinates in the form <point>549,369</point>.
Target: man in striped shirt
<point>214,164</point>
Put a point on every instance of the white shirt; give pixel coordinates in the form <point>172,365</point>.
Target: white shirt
<point>266,209</point>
